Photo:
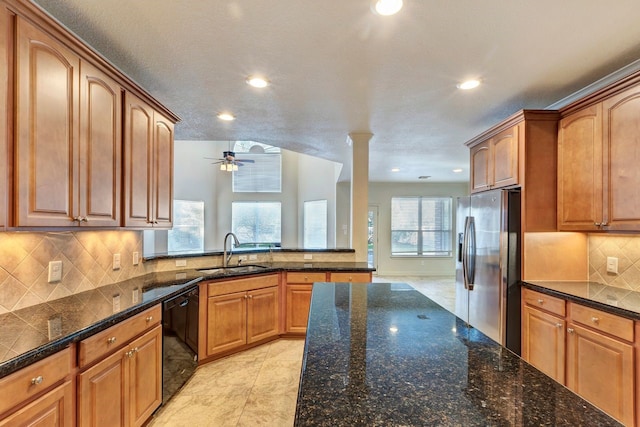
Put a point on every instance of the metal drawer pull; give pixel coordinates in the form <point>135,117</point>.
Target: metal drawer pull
<point>558,325</point>
<point>540,301</point>
<point>37,380</point>
<point>149,319</point>
<point>595,319</point>
<point>570,330</point>
<point>111,340</point>
<point>251,296</point>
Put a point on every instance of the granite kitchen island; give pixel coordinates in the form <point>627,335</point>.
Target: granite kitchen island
<point>383,354</point>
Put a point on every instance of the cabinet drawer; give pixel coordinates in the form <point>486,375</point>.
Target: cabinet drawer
<point>30,381</point>
<point>351,277</point>
<point>544,302</point>
<point>606,322</point>
<point>240,285</point>
<point>306,277</point>
<point>107,341</point>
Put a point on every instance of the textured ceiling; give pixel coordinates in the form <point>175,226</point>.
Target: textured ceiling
<point>337,68</point>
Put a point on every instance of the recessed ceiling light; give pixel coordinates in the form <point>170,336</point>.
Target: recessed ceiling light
<point>457,170</point>
<point>387,7</point>
<point>469,84</point>
<point>257,81</point>
<point>227,117</point>
<point>395,170</point>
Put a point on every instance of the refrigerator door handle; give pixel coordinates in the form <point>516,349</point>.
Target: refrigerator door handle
<point>471,254</point>
<point>467,262</point>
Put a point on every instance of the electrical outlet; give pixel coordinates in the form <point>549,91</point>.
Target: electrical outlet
<point>612,265</point>
<point>253,257</point>
<point>181,263</point>
<point>308,256</point>
<point>55,271</point>
<point>116,303</point>
<point>136,258</point>
<point>116,261</point>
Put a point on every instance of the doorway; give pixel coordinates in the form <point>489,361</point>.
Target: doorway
<point>372,237</point>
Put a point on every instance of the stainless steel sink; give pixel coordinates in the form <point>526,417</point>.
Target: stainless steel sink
<point>237,269</point>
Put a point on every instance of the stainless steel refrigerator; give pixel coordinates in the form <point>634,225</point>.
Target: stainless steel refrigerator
<point>488,264</point>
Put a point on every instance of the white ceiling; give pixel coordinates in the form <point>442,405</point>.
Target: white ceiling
<point>337,68</point>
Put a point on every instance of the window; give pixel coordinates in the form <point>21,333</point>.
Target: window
<point>187,233</point>
<point>315,224</point>
<point>421,226</point>
<point>262,172</point>
<point>256,223</point>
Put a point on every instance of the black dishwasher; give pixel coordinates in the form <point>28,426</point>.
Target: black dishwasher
<point>179,341</point>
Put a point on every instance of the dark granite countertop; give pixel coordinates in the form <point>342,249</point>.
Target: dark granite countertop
<point>191,254</point>
<point>383,354</point>
<point>622,302</point>
<point>33,333</point>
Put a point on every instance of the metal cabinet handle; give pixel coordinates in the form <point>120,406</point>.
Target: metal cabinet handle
<point>149,319</point>
<point>111,340</point>
<point>558,325</point>
<point>37,380</point>
<point>595,319</point>
<point>350,279</point>
<point>84,219</point>
<point>540,301</point>
<point>597,224</point>
<point>570,330</point>
<point>250,296</point>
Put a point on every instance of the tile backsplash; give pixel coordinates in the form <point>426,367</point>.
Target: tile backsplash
<point>87,260</point>
<point>624,247</point>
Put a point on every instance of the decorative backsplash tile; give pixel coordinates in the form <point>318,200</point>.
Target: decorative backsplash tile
<point>624,247</point>
<point>86,257</point>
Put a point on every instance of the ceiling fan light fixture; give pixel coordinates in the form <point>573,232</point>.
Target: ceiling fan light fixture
<point>468,84</point>
<point>387,7</point>
<point>257,81</point>
<point>227,117</point>
<point>395,169</point>
<point>457,170</point>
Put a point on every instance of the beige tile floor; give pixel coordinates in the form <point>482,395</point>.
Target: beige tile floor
<point>259,387</point>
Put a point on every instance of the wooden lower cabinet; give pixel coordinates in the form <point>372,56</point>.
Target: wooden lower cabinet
<point>54,408</point>
<point>240,318</point>
<point>298,303</point>
<point>125,388</point>
<point>600,369</point>
<point>543,342</point>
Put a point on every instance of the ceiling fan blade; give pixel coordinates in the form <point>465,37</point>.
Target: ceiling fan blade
<point>245,160</point>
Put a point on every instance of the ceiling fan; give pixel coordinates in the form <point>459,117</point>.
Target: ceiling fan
<point>228,162</point>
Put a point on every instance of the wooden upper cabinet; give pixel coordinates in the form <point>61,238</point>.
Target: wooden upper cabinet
<point>100,148</point>
<point>6,59</point>
<point>148,166</point>
<point>494,163</point>
<point>580,170</point>
<point>621,139</point>
<point>46,136</point>
<point>598,176</point>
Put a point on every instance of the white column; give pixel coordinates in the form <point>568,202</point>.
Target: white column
<point>360,193</point>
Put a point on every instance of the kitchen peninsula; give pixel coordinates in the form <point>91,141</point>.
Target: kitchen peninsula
<point>384,354</point>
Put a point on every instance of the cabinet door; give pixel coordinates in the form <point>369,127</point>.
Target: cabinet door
<point>102,393</point>
<point>600,369</point>
<point>6,115</point>
<point>145,376</point>
<point>262,314</point>
<point>54,408</point>
<point>138,153</point>
<point>162,215</point>
<point>621,139</point>
<point>543,343</point>
<point>226,322</point>
<point>298,302</point>
<point>481,178</point>
<point>46,134</point>
<point>580,190</point>
<point>100,148</point>
<point>504,148</point>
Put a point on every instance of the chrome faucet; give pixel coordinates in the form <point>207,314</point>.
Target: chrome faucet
<point>225,257</point>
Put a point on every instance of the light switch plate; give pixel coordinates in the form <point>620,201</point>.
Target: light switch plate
<point>181,263</point>
<point>136,258</point>
<point>55,271</point>
<point>116,261</point>
<point>253,257</point>
<point>308,256</point>
<point>612,265</point>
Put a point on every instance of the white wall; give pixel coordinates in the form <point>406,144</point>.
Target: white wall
<point>195,178</point>
<point>380,195</point>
